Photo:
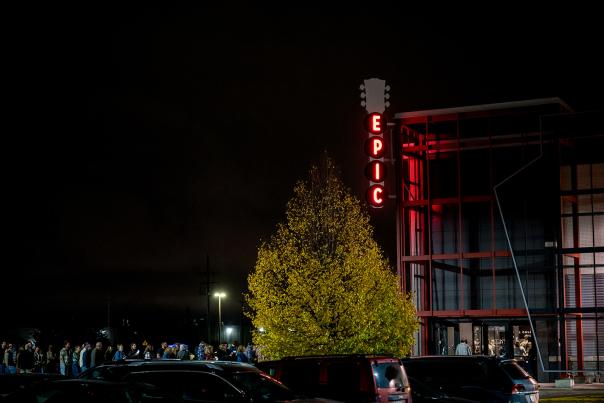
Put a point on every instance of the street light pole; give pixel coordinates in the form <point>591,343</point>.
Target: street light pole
<point>220,296</point>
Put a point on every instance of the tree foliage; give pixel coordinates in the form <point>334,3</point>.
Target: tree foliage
<point>321,285</point>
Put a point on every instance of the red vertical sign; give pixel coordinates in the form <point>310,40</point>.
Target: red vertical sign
<point>375,171</point>
<point>374,93</point>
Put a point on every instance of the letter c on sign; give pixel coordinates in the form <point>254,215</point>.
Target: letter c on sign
<point>376,195</point>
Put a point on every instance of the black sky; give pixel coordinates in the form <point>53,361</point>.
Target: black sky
<point>138,141</point>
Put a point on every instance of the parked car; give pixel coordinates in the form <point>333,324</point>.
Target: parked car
<point>12,383</point>
<point>117,370</point>
<point>216,386</point>
<point>349,378</point>
<point>478,378</point>
<point>423,393</point>
<point>207,380</point>
<point>89,391</point>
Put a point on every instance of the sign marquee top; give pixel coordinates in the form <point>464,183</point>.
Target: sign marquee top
<point>376,95</point>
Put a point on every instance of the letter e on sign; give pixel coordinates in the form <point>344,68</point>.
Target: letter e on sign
<point>375,123</point>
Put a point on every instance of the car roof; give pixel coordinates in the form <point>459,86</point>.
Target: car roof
<point>229,366</point>
<point>333,357</point>
<point>451,357</point>
<point>86,381</point>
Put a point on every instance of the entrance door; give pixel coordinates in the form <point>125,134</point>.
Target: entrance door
<point>498,338</point>
<point>446,337</point>
<point>496,341</point>
<point>522,340</point>
<point>477,337</point>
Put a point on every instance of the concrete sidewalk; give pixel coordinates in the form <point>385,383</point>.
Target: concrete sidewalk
<point>588,393</point>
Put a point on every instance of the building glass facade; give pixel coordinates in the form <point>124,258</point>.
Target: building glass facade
<point>471,183</point>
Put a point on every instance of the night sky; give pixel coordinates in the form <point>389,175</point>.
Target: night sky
<point>136,142</point>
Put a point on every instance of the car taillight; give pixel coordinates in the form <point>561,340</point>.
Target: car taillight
<point>517,388</point>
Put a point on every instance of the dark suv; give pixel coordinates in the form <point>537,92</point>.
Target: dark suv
<point>196,380</point>
<point>117,370</point>
<point>350,378</point>
<point>477,378</point>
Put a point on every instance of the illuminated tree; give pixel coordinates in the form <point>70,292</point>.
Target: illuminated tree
<point>321,285</point>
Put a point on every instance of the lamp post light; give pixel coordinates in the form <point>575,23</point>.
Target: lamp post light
<point>220,296</point>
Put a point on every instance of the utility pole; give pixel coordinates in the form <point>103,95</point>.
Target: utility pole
<point>204,289</point>
<point>109,313</point>
<point>208,295</point>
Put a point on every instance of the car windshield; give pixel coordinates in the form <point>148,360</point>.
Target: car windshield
<point>110,373</point>
<point>389,375</point>
<point>514,370</point>
<point>262,387</point>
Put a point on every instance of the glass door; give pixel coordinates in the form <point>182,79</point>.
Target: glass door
<point>446,337</point>
<point>476,345</point>
<point>496,341</point>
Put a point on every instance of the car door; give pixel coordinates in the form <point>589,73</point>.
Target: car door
<point>190,386</point>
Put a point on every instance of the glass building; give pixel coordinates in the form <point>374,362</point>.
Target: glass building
<point>500,210</point>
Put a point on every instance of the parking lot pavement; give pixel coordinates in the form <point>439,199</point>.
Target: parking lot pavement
<point>581,393</point>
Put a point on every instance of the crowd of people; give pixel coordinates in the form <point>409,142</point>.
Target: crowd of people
<point>71,361</point>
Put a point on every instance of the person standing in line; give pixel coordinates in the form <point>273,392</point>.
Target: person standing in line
<point>134,352</point>
<point>2,366</point>
<point>75,361</point>
<point>169,353</point>
<point>39,360</point>
<point>463,348</point>
<point>109,353</point>
<point>9,359</point>
<point>161,349</point>
<point>209,353</point>
<point>200,351</point>
<point>148,353</point>
<point>25,360</point>
<point>222,352</point>
<point>250,353</point>
<point>241,356</point>
<point>65,356</point>
<point>51,360</point>
<point>85,357</point>
<point>183,352</point>
<point>97,355</point>
<point>119,353</point>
